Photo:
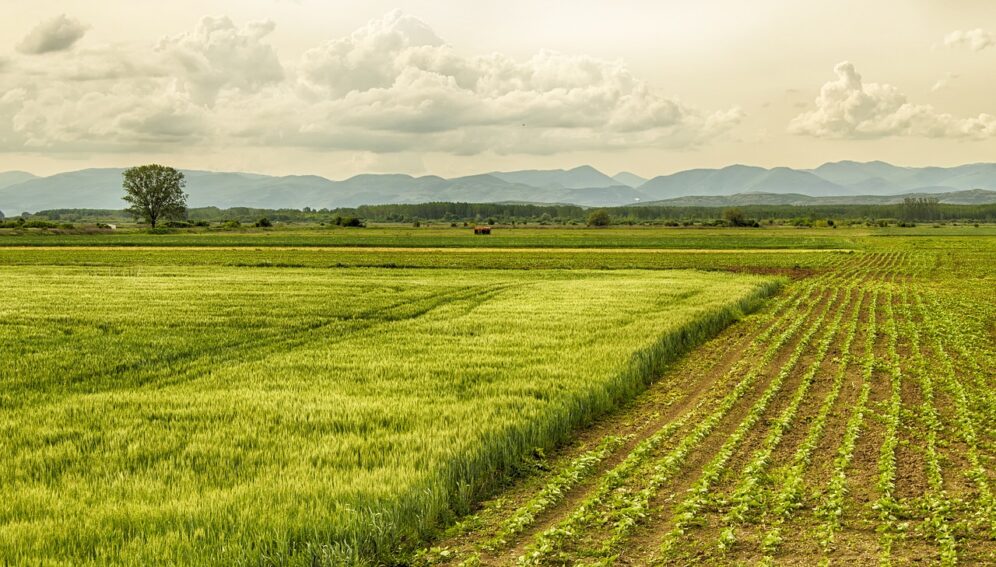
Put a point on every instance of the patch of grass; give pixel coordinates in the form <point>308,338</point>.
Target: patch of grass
<point>298,415</point>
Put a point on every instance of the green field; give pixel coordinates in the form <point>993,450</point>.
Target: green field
<point>280,398</point>
<point>196,415</point>
<point>432,237</point>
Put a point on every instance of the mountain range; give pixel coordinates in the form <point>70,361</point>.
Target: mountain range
<point>837,183</point>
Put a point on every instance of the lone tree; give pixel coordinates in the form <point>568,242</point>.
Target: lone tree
<point>155,192</point>
<point>599,218</point>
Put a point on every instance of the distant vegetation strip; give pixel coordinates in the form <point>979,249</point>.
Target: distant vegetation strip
<point>406,237</point>
<point>504,213</point>
<point>776,260</point>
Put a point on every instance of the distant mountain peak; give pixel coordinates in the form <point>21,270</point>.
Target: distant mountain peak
<point>581,177</point>
<point>584,169</point>
<point>629,179</point>
<point>8,178</point>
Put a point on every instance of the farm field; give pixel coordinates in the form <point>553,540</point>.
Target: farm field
<point>407,237</point>
<point>246,403</point>
<point>194,415</point>
<point>851,421</point>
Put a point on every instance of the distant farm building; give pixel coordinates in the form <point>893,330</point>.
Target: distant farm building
<point>482,230</point>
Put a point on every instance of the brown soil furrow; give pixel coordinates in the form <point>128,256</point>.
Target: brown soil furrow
<point>863,473</point>
<point>823,457</point>
<point>911,471</point>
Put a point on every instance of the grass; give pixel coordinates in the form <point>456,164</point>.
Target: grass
<point>775,261</point>
<point>200,415</point>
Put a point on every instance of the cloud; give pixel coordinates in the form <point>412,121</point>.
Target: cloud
<point>57,34</point>
<point>127,117</point>
<point>219,55</point>
<point>976,40</point>
<point>395,78</point>
<point>109,100</point>
<point>943,82</point>
<point>11,101</point>
<point>848,108</point>
<point>368,58</point>
<point>391,86</point>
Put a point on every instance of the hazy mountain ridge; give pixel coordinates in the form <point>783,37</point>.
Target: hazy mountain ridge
<point>970,197</point>
<point>837,183</point>
<point>583,177</point>
<point>738,179</point>
<point>8,178</point>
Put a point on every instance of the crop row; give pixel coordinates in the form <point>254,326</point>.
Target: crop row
<point>831,507</point>
<point>965,421</point>
<point>690,510</point>
<point>553,491</point>
<point>936,506</point>
<point>887,505</point>
<point>625,507</point>
<point>789,498</point>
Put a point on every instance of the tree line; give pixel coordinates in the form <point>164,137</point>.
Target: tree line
<point>561,214</point>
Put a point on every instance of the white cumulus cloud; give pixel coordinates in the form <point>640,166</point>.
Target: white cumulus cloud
<point>391,86</point>
<point>57,34</point>
<point>944,82</point>
<point>395,81</point>
<point>976,40</point>
<point>218,55</point>
<point>850,108</point>
<point>126,117</point>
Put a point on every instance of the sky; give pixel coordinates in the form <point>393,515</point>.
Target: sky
<point>338,88</point>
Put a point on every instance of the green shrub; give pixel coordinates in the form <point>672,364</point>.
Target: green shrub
<point>599,218</point>
<point>39,224</point>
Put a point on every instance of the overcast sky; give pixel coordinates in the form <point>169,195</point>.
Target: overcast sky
<point>453,87</point>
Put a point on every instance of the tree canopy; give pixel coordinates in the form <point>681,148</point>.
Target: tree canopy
<point>600,217</point>
<point>155,192</point>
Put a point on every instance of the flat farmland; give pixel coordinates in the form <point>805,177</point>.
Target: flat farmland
<point>449,237</point>
<point>196,415</point>
<point>739,397</point>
